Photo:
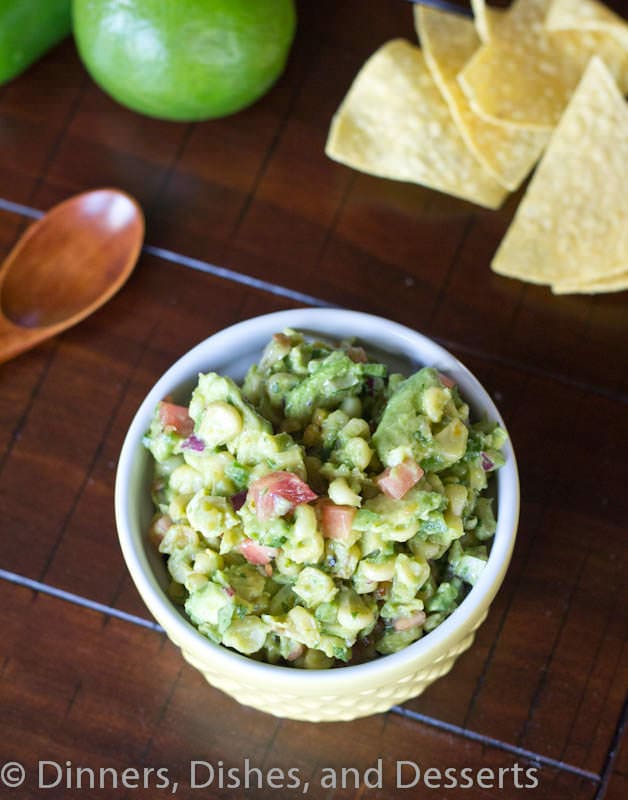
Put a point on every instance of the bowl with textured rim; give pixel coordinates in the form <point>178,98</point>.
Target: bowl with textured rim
<point>349,691</point>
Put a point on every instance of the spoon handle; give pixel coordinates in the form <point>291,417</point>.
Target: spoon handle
<point>443,5</point>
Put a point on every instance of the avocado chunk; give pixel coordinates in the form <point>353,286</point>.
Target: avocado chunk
<point>403,423</point>
<point>407,428</point>
<point>333,378</point>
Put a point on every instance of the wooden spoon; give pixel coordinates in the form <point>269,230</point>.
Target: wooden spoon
<point>66,265</point>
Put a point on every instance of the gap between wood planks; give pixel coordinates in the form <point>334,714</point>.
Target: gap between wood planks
<point>234,276</point>
<point>537,758</point>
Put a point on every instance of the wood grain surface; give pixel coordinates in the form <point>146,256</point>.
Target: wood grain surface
<point>85,676</point>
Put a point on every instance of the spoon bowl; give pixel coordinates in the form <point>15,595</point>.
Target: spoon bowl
<point>66,265</point>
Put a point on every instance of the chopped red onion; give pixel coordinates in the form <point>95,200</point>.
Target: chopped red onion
<point>193,443</point>
<point>238,499</point>
<point>486,462</point>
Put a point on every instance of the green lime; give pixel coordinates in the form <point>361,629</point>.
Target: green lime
<point>184,59</point>
<point>28,28</point>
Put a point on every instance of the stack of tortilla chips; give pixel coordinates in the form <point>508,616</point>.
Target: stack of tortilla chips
<point>472,111</point>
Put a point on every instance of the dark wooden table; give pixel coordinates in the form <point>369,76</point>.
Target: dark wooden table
<point>246,215</point>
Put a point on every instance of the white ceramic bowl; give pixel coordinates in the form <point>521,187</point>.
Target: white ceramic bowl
<point>322,695</point>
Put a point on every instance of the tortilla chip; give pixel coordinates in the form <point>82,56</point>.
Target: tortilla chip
<point>572,225</point>
<point>586,15</point>
<point>614,283</point>
<point>449,41</point>
<point>394,123</point>
<point>526,74</point>
<point>485,19</point>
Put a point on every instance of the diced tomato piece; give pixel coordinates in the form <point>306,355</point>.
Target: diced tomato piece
<point>413,621</point>
<point>446,380</point>
<point>175,418</point>
<point>278,349</point>
<point>256,553</point>
<point>357,354</point>
<point>278,493</point>
<point>396,481</point>
<point>383,590</point>
<point>296,652</point>
<point>159,528</point>
<point>282,339</point>
<point>336,521</point>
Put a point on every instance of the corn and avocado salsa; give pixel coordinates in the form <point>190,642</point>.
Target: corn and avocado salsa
<point>325,512</point>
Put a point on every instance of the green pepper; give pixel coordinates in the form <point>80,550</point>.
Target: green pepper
<point>28,28</point>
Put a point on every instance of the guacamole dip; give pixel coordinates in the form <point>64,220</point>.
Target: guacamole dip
<point>326,511</point>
